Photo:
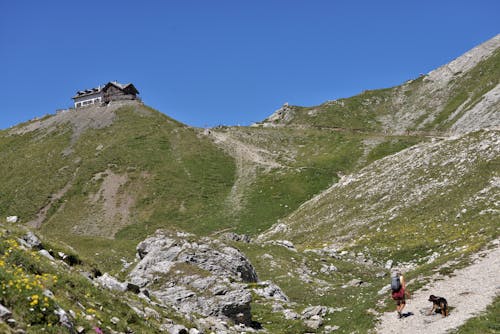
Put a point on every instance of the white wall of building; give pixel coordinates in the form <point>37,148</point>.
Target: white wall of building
<point>88,100</point>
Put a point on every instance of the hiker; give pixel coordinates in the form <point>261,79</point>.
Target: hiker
<point>398,287</point>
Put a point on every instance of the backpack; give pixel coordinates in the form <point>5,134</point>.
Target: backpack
<point>395,283</point>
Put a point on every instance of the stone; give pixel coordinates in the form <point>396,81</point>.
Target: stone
<point>12,219</point>
<point>270,290</point>
<point>314,322</point>
<point>231,236</point>
<point>45,253</point>
<point>328,269</point>
<point>80,329</point>
<point>328,329</point>
<point>114,320</point>
<point>312,311</point>
<point>109,282</point>
<point>277,308</point>
<point>290,315</point>
<point>285,243</point>
<point>64,319</point>
<point>205,276</point>
<point>5,313</point>
<point>173,329</point>
<point>388,264</point>
<point>151,313</point>
<point>48,293</point>
<point>32,241</point>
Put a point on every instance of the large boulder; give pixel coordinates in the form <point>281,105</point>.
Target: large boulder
<point>31,240</point>
<point>195,276</point>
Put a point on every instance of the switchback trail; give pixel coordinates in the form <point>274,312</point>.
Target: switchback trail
<point>468,292</point>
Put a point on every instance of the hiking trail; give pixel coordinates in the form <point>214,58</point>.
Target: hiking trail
<point>249,159</point>
<point>461,290</point>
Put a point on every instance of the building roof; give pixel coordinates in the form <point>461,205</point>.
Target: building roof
<point>128,88</point>
<point>88,92</point>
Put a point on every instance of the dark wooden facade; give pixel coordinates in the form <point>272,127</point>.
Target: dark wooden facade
<point>114,91</point>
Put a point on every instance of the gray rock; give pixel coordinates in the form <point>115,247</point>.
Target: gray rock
<point>48,293</point>
<point>312,311</point>
<point>114,320</point>
<point>174,329</point>
<point>5,313</point>
<point>109,282</point>
<point>269,290</point>
<point>285,243</point>
<point>64,319</point>
<point>200,275</point>
<point>80,329</point>
<point>32,241</point>
<point>290,315</point>
<point>236,237</point>
<point>314,322</point>
<point>329,329</point>
<point>45,253</point>
<point>388,264</point>
<point>328,269</point>
<point>12,219</point>
<point>151,313</point>
<point>277,308</point>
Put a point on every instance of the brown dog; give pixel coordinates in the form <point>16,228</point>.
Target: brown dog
<point>439,302</point>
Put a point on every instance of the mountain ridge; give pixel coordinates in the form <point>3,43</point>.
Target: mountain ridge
<point>311,198</point>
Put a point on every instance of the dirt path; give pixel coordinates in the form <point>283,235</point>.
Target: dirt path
<point>248,160</point>
<point>463,295</point>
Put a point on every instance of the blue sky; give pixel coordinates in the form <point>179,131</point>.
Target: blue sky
<point>226,62</point>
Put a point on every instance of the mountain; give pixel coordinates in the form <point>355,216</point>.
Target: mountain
<point>291,224</point>
<point>458,97</point>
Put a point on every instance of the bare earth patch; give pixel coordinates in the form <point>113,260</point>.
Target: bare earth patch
<point>112,206</point>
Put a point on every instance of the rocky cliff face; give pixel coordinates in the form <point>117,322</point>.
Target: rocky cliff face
<point>204,276</point>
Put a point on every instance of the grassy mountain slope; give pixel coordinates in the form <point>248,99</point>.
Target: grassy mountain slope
<point>458,97</point>
<point>136,170</point>
<point>440,196</point>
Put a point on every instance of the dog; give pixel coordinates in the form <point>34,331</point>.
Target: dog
<point>438,303</point>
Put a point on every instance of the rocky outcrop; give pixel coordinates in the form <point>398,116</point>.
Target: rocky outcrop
<point>202,276</point>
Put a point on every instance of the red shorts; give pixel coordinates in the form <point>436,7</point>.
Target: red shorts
<point>399,296</point>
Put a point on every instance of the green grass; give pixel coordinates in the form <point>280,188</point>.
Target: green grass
<point>285,268</point>
<point>33,168</point>
<point>391,146</point>
<point>25,275</point>
<point>175,179</point>
<point>486,323</point>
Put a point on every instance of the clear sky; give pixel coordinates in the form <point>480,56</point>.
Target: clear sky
<point>227,62</point>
